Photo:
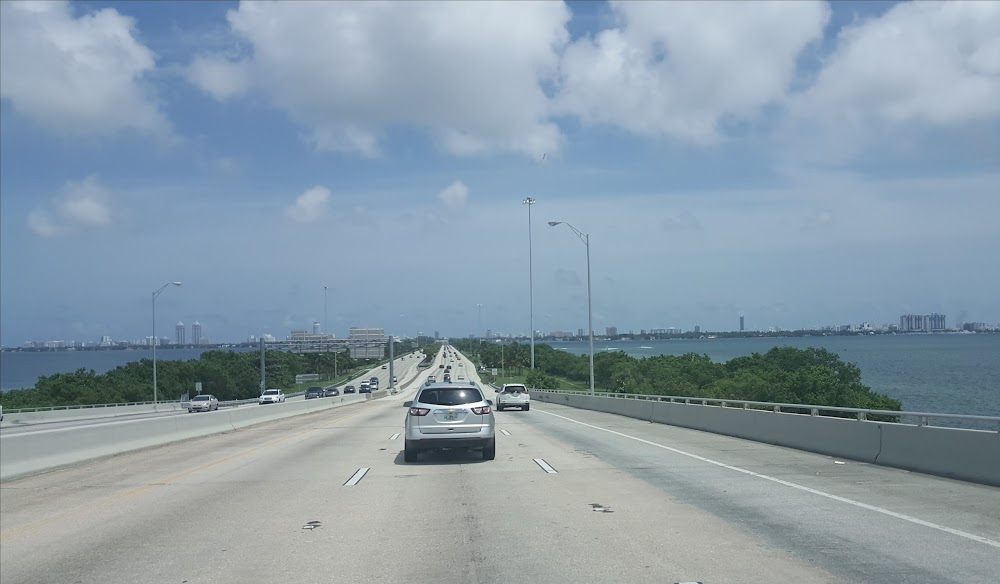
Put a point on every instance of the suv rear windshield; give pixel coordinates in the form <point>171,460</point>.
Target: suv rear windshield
<point>450,397</point>
<point>271,392</point>
<point>514,389</point>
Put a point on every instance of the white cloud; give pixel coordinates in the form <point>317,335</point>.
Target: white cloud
<point>455,195</point>
<point>470,74</point>
<point>79,205</point>
<point>76,75</point>
<point>933,63</point>
<point>310,206</point>
<point>681,69</point>
<point>219,77</point>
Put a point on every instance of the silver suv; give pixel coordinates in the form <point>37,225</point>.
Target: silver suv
<point>450,415</point>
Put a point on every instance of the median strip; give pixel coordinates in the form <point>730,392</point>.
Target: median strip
<point>545,466</point>
<point>505,432</point>
<point>394,436</point>
<point>360,474</point>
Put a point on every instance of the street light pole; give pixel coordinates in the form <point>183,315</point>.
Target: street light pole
<point>531,284</point>
<point>585,238</point>
<point>326,323</point>
<point>479,323</point>
<point>155,294</point>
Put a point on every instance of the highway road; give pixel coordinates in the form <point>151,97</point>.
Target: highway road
<point>625,501</point>
<point>405,366</point>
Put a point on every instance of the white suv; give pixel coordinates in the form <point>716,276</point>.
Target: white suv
<point>271,396</point>
<point>513,395</point>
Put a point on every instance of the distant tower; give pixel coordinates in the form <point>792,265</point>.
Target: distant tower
<point>315,328</point>
<point>741,324</point>
<point>180,332</point>
<point>196,333</point>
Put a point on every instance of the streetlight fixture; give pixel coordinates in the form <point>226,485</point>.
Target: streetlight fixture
<point>479,324</point>
<point>531,285</point>
<point>585,238</point>
<point>155,294</point>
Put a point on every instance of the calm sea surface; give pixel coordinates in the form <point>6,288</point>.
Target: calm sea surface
<point>957,374</point>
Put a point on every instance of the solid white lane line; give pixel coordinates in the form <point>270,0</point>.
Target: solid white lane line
<point>357,477</point>
<point>505,432</point>
<point>394,436</point>
<point>545,466</point>
<point>859,504</point>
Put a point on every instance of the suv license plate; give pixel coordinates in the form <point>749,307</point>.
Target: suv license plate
<point>451,416</point>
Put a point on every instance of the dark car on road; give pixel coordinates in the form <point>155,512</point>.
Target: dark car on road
<point>315,392</point>
<point>330,391</point>
<point>348,389</point>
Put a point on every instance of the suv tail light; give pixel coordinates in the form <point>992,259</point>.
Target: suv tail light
<point>481,411</point>
<point>419,411</point>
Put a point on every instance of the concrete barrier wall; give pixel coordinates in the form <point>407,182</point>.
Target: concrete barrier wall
<point>85,413</point>
<point>32,452</point>
<point>969,455</point>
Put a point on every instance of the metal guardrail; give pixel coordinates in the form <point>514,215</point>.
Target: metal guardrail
<point>860,414</point>
<point>82,407</point>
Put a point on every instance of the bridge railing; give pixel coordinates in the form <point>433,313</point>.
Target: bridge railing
<point>966,421</point>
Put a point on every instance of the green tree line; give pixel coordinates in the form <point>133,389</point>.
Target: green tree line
<point>783,374</point>
<point>227,375</point>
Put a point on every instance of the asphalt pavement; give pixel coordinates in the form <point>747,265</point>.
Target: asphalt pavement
<point>573,496</point>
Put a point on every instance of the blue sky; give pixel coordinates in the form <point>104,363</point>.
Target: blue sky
<point>801,164</point>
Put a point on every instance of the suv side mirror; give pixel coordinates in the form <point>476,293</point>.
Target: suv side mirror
<point>489,401</point>
<point>407,404</point>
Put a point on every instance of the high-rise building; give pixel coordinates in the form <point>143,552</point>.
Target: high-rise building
<point>579,332</point>
<point>741,324</point>
<point>922,322</point>
<point>697,329</point>
<point>315,328</point>
<point>611,331</point>
<point>196,333</point>
<point>179,328</point>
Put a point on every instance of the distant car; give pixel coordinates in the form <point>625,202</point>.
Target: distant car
<point>373,380</point>
<point>461,377</point>
<point>513,395</point>
<point>441,366</point>
<point>365,387</point>
<point>348,389</point>
<point>330,391</point>
<point>431,379</point>
<point>445,417</point>
<point>203,403</point>
<point>447,378</point>
<point>271,396</point>
<point>315,392</point>
<point>394,379</point>
<point>384,366</point>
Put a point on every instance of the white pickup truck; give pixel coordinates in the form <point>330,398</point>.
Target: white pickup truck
<point>513,395</point>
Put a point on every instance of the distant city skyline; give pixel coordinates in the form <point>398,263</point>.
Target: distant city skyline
<point>905,323</point>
